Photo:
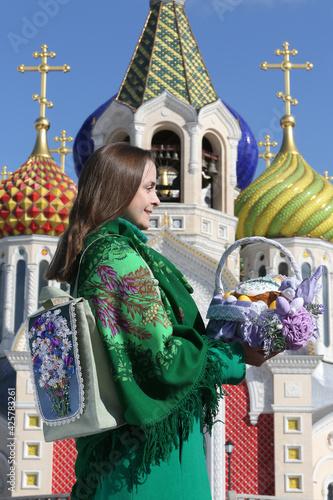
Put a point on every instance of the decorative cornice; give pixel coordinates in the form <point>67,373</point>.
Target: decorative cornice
<point>221,111</point>
<point>25,405</point>
<point>292,409</point>
<point>301,365</point>
<point>168,100</point>
<point>116,115</point>
<point>19,360</point>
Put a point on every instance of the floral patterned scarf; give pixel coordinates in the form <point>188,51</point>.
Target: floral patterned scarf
<point>155,342</point>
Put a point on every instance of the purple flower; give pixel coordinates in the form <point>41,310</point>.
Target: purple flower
<point>59,393</point>
<point>128,285</point>
<point>108,277</point>
<point>50,327</point>
<point>38,322</point>
<point>68,360</point>
<point>297,329</point>
<point>37,361</point>
<point>55,342</point>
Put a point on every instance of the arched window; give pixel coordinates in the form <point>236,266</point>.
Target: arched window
<point>283,269</point>
<point>330,492</point>
<point>43,265</point>
<point>19,294</point>
<point>209,171</point>
<point>167,146</point>
<point>306,270</point>
<point>262,271</point>
<point>326,305</point>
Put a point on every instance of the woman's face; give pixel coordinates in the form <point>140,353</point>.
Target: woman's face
<point>140,209</point>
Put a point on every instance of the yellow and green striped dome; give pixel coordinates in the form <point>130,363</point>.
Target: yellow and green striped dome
<point>288,199</point>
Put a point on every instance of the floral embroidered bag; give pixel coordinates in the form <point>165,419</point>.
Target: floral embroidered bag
<point>71,377</point>
<point>274,312</point>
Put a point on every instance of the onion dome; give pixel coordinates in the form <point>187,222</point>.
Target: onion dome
<point>38,197</point>
<point>247,157</point>
<point>289,199</point>
<point>84,145</point>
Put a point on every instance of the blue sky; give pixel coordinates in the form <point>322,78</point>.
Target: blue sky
<point>97,39</point>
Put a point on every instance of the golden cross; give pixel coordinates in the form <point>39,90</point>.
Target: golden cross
<point>43,69</point>
<point>326,176</point>
<point>286,66</point>
<point>4,173</point>
<point>62,150</point>
<point>267,155</point>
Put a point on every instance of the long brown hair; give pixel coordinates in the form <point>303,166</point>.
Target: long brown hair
<point>109,181</point>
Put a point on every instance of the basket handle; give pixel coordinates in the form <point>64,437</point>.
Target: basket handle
<point>244,241</point>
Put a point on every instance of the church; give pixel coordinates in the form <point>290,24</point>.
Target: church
<point>280,419</point>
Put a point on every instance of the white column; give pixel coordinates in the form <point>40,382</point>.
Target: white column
<point>31,290</point>
<point>137,130</point>
<point>8,318</point>
<point>194,129</point>
<point>216,456</point>
<point>233,152</point>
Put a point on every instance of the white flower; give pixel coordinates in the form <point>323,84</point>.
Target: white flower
<point>66,347</point>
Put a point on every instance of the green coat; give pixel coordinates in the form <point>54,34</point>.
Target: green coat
<point>168,375</point>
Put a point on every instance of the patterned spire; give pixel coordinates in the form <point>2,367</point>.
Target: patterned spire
<point>167,57</point>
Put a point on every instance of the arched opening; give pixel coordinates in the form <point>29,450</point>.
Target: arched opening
<point>19,294</point>
<point>209,171</point>
<point>262,271</point>
<point>119,136</point>
<point>167,147</point>
<point>283,269</point>
<point>330,492</point>
<point>43,265</point>
<point>306,270</point>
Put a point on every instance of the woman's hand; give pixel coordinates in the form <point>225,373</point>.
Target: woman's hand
<point>256,356</point>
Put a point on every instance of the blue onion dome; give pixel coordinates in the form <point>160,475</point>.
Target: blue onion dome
<point>83,144</point>
<point>247,157</point>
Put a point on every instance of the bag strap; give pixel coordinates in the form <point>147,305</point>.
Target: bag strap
<point>51,292</point>
<point>78,271</point>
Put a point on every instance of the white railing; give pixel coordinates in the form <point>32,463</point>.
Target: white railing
<point>233,495</point>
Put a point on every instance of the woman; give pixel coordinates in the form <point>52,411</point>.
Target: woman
<point>168,375</point>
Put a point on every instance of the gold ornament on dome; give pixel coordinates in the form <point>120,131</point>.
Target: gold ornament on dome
<point>327,177</point>
<point>5,173</point>
<point>267,155</point>
<point>43,69</point>
<point>287,121</point>
<point>62,150</point>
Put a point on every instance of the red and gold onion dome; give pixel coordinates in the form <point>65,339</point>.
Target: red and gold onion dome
<point>37,198</point>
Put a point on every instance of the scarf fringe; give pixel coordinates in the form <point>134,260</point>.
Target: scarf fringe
<point>161,438</point>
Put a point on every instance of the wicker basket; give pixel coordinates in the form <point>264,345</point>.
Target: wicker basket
<point>273,312</point>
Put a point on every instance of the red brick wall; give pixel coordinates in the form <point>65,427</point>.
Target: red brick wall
<point>252,460</point>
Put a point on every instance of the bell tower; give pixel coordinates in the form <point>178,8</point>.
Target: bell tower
<point>167,102</point>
